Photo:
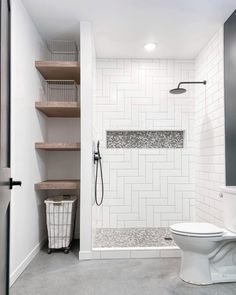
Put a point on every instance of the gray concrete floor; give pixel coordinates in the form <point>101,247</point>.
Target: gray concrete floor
<point>62,274</point>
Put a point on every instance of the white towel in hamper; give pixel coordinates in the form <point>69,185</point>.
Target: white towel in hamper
<point>61,212</point>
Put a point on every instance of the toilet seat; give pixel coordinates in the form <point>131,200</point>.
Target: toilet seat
<point>197,229</point>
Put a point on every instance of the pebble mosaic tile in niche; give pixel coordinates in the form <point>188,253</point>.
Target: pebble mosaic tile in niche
<point>145,139</point>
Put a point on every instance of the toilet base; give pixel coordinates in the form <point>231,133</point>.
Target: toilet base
<point>195,268</point>
<point>199,269</point>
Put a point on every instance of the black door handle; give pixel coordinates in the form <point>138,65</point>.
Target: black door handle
<point>13,183</point>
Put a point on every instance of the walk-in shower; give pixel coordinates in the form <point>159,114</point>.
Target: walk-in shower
<point>125,237</point>
<point>146,142</point>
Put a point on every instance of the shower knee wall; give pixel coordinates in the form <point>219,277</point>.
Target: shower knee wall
<point>158,187</point>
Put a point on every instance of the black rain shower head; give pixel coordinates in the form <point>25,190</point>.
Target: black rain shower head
<point>180,90</point>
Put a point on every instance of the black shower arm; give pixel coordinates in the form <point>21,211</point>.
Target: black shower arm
<point>194,82</point>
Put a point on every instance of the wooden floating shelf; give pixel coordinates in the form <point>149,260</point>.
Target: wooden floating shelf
<point>58,185</point>
<point>58,146</point>
<point>59,70</point>
<point>64,109</point>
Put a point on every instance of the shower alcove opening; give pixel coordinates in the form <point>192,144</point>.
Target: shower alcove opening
<point>138,242</point>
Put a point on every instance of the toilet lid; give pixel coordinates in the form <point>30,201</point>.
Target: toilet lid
<point>198,228</point>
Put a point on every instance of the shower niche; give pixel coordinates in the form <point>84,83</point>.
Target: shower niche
<point>60,107</point>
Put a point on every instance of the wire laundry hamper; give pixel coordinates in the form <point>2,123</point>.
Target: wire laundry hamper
<point>60,215</point>
<point>62,50</point>
<point>61,90</point>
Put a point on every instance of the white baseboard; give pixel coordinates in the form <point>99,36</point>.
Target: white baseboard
<point>22,266</point>
<point>85,255</point>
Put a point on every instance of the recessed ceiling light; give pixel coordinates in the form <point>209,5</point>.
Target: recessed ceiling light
<point>150,46</point>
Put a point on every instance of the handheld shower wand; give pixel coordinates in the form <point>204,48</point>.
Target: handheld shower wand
<point>98,164</point>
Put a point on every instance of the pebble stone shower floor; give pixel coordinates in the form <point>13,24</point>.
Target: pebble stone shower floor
<point>133,237</point>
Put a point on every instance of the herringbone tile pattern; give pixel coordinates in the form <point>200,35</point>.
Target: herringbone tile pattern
<point>145,187</point>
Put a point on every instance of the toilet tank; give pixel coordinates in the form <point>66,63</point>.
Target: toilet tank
<point>229,207</point>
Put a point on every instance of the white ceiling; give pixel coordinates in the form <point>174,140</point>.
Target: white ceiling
<point>121,27</point>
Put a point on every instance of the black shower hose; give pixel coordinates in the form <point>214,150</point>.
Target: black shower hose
<point>98,163</point>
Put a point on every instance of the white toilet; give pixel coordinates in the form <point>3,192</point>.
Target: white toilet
<point>209,252</point>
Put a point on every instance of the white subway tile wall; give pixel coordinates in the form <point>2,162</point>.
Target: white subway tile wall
<point>145,187</point>
<point>209,129</point>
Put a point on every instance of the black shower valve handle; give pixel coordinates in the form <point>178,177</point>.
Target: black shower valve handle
<point>97,157</point>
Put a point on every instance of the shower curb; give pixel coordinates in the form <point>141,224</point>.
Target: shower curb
<point>133,252</point>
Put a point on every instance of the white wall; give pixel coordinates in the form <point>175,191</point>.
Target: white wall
<point>209,129</point>
<point>27,127</point>
<point>87,56</point>
<point>145,187</point>
<point>63,165</point>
